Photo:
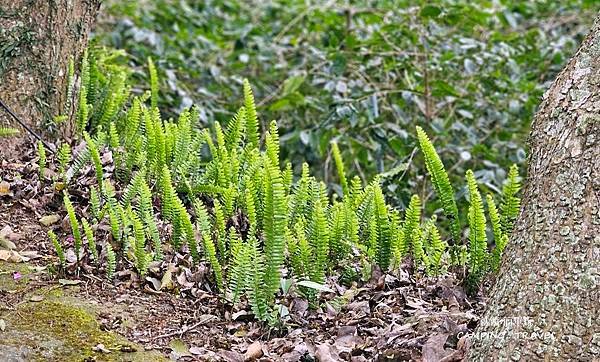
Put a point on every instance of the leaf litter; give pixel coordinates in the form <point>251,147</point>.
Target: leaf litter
<point>175,309</point>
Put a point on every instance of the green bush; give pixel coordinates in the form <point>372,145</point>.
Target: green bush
<point>362,72</point>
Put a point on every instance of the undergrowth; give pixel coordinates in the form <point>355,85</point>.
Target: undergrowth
<point>222,196</point>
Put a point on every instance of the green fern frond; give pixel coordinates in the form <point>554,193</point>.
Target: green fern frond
<point>204,226</point>
<point>57,247</point>
<point>74,224</point>
<point>383,247</point>
<point>8,132</point>
<point>509,208</point>
<point>220,230</point>
<point>496,257</point>
<point>441,182</point>
<point>320,240</point>
<point>235,129</point>
<point>91,241</point>
<point>153,83</point>
<point>95,202</point>
<point>339,165</point>
<point>275,222</point>
<point>412,220</point>
<point>272,145</point>
<point>41,158</point>
<point>95,155</point>
<point>477,233</point>
<point>111,260</point>
<point>64,157</point>
<point>141,258</point>
<point>252,126</point>
<point>255,288</point>
<point>435,248</point>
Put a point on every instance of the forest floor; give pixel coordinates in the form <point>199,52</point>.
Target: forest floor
<point>172,313</point>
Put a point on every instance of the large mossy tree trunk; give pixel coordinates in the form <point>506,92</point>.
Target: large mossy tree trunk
<point>37,39</point>
<point>546,300</point>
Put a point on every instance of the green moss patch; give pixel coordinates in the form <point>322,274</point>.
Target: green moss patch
<point>52,330</point>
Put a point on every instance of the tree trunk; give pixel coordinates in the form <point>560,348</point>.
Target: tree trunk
<point>37,40</point>
<point>545,303</point>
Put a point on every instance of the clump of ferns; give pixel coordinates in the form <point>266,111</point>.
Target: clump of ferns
<point>249,218</point>
<point>476,255</point>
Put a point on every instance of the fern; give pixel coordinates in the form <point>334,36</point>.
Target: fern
<point>41,158</point>
<point>141,258</point>
<point>89,235</point>
<point>320,240</point>
<point>509,208</point>
<point>64,157</point>
<point>496,256</point>
<point>412,219</point>
<point>255,287</point>
<point>95,155</point>
<point>274,227</point>
<point>111,260</point>
<point>204,227</point>
<point>220,230</point>
<point>57,247</point>
<point>441,182</point>
<point>8,132</point>
<point>74,224</point>
<point>435,248</point>
<point>251,116</point>
<point>153,83</point>
<point>339,165</point>
<point>383,247</point>
<point>477,234</point>
<point>95,202</point>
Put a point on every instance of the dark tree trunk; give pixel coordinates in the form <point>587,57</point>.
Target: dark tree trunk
<point>546,301</point>
<point>37,39</point>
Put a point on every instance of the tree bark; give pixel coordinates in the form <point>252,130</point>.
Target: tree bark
<point>37,40</point>
<point>546,300</point>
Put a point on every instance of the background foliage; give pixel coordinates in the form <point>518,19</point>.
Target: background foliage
<point>363,73</point>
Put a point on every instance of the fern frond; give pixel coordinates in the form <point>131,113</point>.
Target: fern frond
<point>141,258</point>
<point>383,247</point>
<point>509,208</point>
<point>252,126</point>
<point>111,261</point>
<point>204,226</point>
<point>274,227</point>
<point>95,202</point>
<point>8,132</point>
<point>235,129</point>
<point>255,288</point>
<point>339,165</point>
<point>153,83</point>
<point>64,157</point>
<point>441,182</point>
<point>412,219</point>
<point>57,247</point>
<point>74,224</point>
<point>220,230</point>
<point>477,234</point>
<point>320,240</point>
<point>91,241</point>
<point>95,155</point>
<point>436,248</point>
<point>41,158</point>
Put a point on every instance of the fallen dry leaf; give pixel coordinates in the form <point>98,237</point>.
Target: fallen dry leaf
<point>49,219</point>
<point>253,352</point>
<point>5,188</point>
<point>433,350</point>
